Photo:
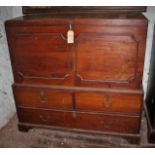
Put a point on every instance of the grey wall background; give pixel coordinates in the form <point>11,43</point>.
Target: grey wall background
<point>150,14</point>
<point>7,105</point>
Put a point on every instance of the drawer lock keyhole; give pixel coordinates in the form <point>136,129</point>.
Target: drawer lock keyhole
<point>107,102</point>
<point>43,98</point>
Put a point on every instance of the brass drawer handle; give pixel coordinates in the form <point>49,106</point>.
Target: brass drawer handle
<point>107,125</point>
<point>43,98</point>
<point>43,118</point>
<point>107,103</point>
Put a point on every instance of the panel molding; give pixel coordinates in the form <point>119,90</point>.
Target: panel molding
<point>133,38</point>
<point>20,74</point>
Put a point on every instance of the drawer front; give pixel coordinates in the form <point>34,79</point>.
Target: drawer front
<point>89,121</point>
<point>109,102</point>
<point>42,98</point>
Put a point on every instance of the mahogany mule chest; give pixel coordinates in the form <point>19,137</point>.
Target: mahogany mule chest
<point>78,72</point>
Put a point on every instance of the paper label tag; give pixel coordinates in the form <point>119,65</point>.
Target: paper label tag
<point>70,37</point>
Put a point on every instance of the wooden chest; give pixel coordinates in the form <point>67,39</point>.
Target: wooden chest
<point>92,84</point>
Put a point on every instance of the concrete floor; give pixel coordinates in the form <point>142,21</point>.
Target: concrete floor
<point>44,138</point>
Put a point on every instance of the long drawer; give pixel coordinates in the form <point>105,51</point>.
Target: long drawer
<point>42,98</point>
<point>60,99</point>
<point>79,120</point>
<point>109,102</point>
<point>79,100</point>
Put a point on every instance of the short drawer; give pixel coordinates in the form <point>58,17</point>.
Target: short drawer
<point>78,120</point>
<point>109,102</point>
<point>37,97</point>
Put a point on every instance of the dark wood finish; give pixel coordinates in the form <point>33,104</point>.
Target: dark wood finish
<point>89,121</point>
<point>92,84</point>
<point>79,100</point>
<point>82,89</point>
<point>126,44</point>
<point>52,64</point>
<point>150,96</point>
<point>116,52</point>
<point>80,9</point>
<point>42,98</point>
<point>37,62</point>
<point>113,19</point>
<point>109,102</point>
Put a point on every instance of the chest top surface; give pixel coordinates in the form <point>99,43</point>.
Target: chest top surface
<point>87,19</point>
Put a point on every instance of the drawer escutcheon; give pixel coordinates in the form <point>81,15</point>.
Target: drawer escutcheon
<point>43,98</point>
<point>107,103</point>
